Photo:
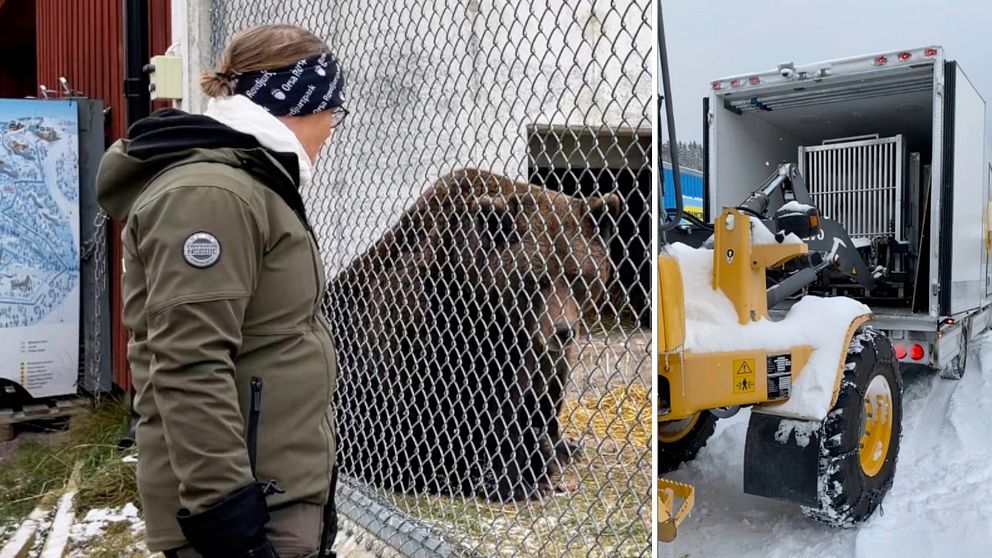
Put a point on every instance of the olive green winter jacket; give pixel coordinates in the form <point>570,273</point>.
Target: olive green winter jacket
<point>222,282</point>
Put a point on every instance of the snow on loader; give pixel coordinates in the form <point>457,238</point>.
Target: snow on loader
<point>823,386</point>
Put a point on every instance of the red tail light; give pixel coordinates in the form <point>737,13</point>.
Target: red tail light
<point>900,351</point>
<point>916,352</point>
<point>930,52</point>
<point>717,85</point>
<point>905,56</point>
<point>881,60</point>
<point>755,80</point>
<point>735,83</point>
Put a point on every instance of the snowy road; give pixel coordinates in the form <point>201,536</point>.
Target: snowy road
<point>940,504</point>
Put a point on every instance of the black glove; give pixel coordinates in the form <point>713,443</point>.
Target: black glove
<point>234,528</point>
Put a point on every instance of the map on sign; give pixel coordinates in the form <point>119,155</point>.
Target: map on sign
<point>39,242</point>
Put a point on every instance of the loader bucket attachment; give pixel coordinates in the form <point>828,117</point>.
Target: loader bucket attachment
<point>675,501</point>
<point>840,251</point>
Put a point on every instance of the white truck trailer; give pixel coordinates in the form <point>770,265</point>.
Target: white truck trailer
<point>894,147</point>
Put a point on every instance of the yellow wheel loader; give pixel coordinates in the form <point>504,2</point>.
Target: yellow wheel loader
<point>823,387</point>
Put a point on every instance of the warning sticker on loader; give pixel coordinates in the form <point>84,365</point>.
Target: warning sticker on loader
<point>744,376</point>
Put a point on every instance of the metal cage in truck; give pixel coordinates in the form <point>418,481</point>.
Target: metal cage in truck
<point>894,146</point>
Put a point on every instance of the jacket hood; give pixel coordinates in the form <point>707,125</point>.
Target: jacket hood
<point>170,138</point>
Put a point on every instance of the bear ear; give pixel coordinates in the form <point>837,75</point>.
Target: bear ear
<point>604,212</point>
<point>497,217</point>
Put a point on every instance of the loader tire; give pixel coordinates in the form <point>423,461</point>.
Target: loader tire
<point>859,440</point>
<point>680,440</point>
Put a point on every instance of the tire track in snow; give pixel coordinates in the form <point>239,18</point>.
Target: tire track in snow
<point>941,501</point>
<point>727,522</point>
<point>939,505</point>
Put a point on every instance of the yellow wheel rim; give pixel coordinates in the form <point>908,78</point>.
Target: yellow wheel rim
<point>671,431</point>
<point>876,426</point>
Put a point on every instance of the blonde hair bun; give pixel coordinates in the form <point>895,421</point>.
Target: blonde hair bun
<point>260,48</point>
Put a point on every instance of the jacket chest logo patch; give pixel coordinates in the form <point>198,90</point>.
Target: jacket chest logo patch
<point>201,250</point>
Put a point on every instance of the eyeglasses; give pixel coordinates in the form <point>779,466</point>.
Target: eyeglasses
<point>338,115</point>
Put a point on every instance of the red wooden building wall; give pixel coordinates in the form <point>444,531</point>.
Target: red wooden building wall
<point>17,39</point>
<point>83,40</point>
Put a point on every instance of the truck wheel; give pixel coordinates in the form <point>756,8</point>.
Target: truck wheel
<point>680,440</point>
<point>859,440</point>
<point>955,370</point>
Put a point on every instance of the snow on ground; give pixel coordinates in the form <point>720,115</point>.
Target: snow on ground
<point>940,504</point>
<point>102,529</point>
<point>96,521</point>
<point>120,532</point>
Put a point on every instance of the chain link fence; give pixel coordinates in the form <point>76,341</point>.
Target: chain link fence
<point>95,375</point>
<point>484,216</point>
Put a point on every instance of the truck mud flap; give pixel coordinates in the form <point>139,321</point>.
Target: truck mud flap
<point>781,458</point>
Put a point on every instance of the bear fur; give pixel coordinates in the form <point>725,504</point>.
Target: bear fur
<point>454,334</point>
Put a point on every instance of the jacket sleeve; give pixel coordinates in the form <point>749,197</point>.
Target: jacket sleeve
<point>194,316</point>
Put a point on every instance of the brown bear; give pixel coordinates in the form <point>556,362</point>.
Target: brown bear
<point>453,335</point>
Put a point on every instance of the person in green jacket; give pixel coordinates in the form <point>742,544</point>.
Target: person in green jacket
<point>223,287</point>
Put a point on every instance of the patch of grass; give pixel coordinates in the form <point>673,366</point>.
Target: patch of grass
<point>621,415</point>
<point>33,470</point>
<point>39,467</point>
<point>606,514</point>
<point>118,541</point>
<point>106,481</point>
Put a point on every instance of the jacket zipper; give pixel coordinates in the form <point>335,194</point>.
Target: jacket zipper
<point>325,420</point>
<point>315,260</point>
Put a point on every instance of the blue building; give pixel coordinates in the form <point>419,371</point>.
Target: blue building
<point>691,182</point>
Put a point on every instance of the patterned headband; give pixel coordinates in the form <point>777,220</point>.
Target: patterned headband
<point>306,87</point>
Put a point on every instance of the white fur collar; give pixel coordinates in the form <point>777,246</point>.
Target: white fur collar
<point>240,113</point>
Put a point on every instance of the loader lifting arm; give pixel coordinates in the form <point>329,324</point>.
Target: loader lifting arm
<point>830,247</point>
<point>787,181</point>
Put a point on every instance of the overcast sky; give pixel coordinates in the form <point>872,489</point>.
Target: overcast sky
<point>708,39</point>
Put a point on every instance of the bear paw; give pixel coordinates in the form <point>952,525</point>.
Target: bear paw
<point>568,450</point>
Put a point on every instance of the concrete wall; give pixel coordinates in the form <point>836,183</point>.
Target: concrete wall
<point>436,85</point>
<point>749,150</point>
